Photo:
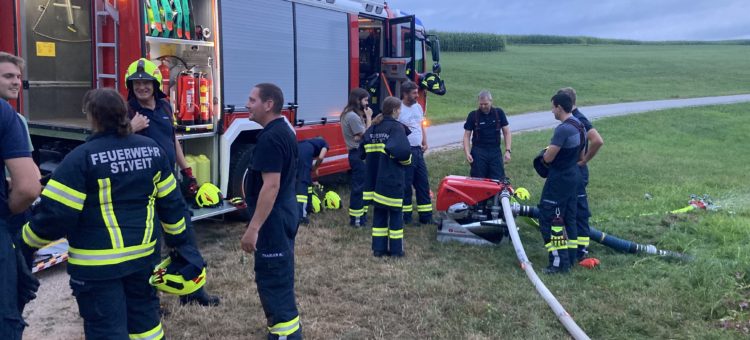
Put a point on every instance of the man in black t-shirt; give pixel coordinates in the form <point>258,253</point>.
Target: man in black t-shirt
<point>483,128</point>
<point>273,206</point>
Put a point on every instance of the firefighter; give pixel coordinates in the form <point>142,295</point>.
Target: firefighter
<point>309,151</point>
<point>594,142</point>
<point>416,175</point>
<point>557,205</point>
<point>386,148</point>
<point>17,286</point>
<point>271,203</point>
<point>355,119</point>
<point>151,116</point>
<point>484,127</point>
<point>103,198</point>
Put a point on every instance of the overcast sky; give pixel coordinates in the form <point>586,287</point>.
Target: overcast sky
<point>622,19</point>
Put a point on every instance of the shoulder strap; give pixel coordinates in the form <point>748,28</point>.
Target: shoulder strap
<point>580,129</point>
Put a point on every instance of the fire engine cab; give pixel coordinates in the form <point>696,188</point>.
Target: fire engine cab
<point>211,53</point>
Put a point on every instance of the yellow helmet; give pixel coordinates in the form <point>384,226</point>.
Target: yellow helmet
<point>522,193</point>
<point>144,69</point>
<point>315,203</point>
<point>332,200</point>
<point>167,277</point>
<point>208,196</point>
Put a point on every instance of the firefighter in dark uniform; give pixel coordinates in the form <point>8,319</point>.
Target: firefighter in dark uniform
<point>17,286</point>
<point>484,127</point>
<point>387,153</point>
<point>272,204</point>
<point>309,150</point>
<point>109,191</point>
<point>557,205</point>
<point>594,142</point>
<point>416,174</point>
<point>151,116</point>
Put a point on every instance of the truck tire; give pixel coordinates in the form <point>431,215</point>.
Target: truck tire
<point>238,170</point>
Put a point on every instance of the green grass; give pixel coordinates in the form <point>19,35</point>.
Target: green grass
<point>523,78</point>
<point>453,291</point>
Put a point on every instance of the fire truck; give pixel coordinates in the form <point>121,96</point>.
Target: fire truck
<point>211,53</point>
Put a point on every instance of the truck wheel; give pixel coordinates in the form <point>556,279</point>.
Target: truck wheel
<point>239,167</point>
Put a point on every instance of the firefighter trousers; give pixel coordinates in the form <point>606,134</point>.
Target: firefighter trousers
<point>357,209</point>
<point>387,231</point>
<point>488,162</point>
<point>557,222</point>
<point>122,308</point>
<point>582,215</point>
<point>274,276</point>
<point>304,191</point>
<point>11,322</point>
<point>416,176</point>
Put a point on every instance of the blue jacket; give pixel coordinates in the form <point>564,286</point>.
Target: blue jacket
<point>104,197</point>
<point>387,152</point>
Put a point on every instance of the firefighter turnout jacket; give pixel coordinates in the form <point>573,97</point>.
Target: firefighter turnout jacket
<point>387,152</point>
<point>104,197</point>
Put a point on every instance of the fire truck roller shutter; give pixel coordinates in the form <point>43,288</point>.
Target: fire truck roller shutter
<point>322,59</point>
<point>270,56</point>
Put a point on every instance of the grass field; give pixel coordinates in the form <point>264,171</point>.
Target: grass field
<point>523,78</point>
<point>451,291</point>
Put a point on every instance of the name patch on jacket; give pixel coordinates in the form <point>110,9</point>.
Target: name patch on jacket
<point>126,159</point>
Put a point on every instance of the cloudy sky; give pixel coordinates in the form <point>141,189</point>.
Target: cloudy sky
<point>622,19</point>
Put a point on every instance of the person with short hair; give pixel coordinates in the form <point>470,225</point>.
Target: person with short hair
<point>416,175</point>
<point>271,201</point>
<point>112,186</point>
<point>355,119</point>
<point>557,205</point>
<point>482,132</point>
<point>386,149</point>
<point>594,142</point>
<point>311,154</point>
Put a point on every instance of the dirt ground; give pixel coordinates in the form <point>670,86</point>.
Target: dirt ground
<point>54,313</point>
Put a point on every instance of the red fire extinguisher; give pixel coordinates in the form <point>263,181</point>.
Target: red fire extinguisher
<point>187,98</point>
<point>164,69</point>
<point>205,98</point>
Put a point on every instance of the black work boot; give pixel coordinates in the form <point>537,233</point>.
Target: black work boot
<point>200,297</point>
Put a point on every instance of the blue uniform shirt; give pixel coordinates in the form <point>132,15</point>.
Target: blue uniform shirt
<point>490,127</point>
<point>14,143</point>
<point>586,124</point>
<point>160,127</point>
<point>276,151</point>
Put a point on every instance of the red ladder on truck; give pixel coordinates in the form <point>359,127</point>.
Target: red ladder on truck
<point>106,16</point>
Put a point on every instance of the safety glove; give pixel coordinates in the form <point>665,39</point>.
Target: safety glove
<point>558,237</point>
<point>238,202</point>
<point>189,183</point>
<point>28,284</point>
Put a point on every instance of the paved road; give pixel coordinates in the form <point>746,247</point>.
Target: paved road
<point>447,134</point>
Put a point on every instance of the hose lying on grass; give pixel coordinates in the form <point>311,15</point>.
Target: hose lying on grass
<point>565,318</point>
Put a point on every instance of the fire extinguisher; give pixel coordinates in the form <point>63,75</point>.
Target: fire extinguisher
<point>164,69</point>
<point>205,98</point>
<point>187,98</point>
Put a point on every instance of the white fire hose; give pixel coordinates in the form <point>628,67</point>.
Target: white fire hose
<point>526,266</point>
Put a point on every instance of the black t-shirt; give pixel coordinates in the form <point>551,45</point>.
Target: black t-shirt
<point>14,143</point>
<point>276,151</point>
<point>160,127</point>
<point>490,127</point>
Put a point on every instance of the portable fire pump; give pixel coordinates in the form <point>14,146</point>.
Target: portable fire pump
<point>469,210</point>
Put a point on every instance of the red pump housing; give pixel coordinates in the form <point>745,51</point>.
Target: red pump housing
<point>469,190</point>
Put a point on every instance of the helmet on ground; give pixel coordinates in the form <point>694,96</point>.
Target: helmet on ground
<point>522,193</point>
<point>208,196</point>
<point>315,203</point>
<point>144,69</point>
<point>542,169</point>
<point>332,200</point>
<point>169,276</point>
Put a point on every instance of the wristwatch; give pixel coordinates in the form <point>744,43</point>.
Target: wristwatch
<point>508,151</point>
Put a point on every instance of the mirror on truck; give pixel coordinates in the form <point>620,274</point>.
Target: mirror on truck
<point>434,43</point>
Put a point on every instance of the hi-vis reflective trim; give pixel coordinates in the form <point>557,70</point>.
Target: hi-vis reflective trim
<point>375,147</point>
<point>367,195</point>
<point>406,162</point>
<point>379,232</point>
<point>387,201</point>
<point>583,241</point>
<point>356,212</point>
<point>150,211</point>
<point>309,190</point>
<point>108,213</point>
<point>166,186</point>
<point>396,234</point>
<point>407,208</point>
<point>301,198</point>
<point>424,207</point>
<point>154,334</point>
<point>64,194</point>
<point>551,248</point>
<point>103,257</point>
<point>31,238</point>
<point>174,229</point>
<point>285,328</point>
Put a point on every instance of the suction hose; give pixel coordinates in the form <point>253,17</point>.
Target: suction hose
<point>565,318</point>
